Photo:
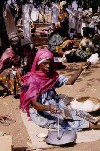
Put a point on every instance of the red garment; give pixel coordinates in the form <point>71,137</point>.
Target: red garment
<point>7,58</point>
<point>36,82</point>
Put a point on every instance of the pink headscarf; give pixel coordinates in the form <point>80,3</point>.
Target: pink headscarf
<point>37,82</point>
<point>7,58</point>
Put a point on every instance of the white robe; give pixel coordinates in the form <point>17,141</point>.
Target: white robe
<point>55,13</point>
<point>34,14</point>
<point>74,5</point>
<point>26,21</point>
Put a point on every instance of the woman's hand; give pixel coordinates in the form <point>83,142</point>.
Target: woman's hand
<point>54,109</point>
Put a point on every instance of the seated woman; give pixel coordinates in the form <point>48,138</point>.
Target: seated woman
<point>9,57</point>
<point>56,43</point>
<point>64,23</point>
<point>41,102</point>
<point>17,57</point>
<point>84,51</point>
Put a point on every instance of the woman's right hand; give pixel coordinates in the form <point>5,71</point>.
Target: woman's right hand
<point>54,109</point>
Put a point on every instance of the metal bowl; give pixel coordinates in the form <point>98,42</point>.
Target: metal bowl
<point>65,137</point>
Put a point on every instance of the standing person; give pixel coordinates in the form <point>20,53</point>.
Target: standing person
<point>55,13</point>
<point>74,5</point>
<point>40,100</point>
<point>64,20</point>
<point>26,19</point>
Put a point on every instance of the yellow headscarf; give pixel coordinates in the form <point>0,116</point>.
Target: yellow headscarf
<point>62,3</point>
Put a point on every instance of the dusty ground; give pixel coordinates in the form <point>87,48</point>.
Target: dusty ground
<point>88,84</point>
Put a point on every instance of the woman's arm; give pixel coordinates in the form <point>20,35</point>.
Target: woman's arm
<point>40,107</point>
<point>72,79</point>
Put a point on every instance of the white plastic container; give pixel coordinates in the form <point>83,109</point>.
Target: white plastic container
<point>94,58</point>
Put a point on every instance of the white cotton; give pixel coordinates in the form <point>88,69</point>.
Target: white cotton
<point>94,58</point>
<point>87,105</point>
<point>76,105</point>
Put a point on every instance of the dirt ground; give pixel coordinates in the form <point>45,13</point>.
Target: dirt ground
<point>88,84</point>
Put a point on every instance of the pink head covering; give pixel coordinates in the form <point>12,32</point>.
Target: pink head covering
<point>40,55</point>
<point>7,58</point>
<point>37,82</point>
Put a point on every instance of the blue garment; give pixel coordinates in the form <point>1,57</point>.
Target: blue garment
<point>48,120</point>
<point>54,41</point>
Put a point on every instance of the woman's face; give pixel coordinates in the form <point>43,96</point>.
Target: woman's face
<point>15,43</point>
<point>47,66</point>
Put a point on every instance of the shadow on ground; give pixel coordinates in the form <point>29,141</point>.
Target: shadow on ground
<point>20,149</point>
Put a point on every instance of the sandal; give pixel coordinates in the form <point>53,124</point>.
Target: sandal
<point>6,120</point>
<point>7,93</point>
<point>3,122</point>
